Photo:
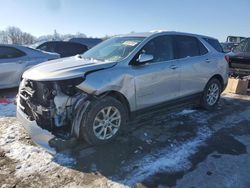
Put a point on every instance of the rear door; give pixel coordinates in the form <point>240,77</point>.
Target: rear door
<point>158,80</point>
<point>194,64</point>
<point>12,63</point>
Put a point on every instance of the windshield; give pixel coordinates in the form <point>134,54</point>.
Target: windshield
<point>114,49</point>
<point>244,46</point>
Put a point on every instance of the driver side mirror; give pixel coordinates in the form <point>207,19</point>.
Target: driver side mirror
<point>144,58</point>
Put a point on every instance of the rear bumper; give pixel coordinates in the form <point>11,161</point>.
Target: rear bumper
<point>40,136</point>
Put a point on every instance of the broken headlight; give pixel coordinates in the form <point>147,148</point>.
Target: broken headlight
<point>68,87</point>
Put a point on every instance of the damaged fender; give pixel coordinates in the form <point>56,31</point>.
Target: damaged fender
<point>120,81</point>
<point>79,109</point>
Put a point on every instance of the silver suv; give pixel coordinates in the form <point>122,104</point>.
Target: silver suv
<point>92,96</point>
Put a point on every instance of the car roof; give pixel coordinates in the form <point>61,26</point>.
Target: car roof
<point>12,45</point>
<point>155,33</point>
<point>61,41</point>
<point>86,41</point>
<point>26,49</point>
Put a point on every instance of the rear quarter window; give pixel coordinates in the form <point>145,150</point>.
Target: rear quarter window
<point>215,44</point>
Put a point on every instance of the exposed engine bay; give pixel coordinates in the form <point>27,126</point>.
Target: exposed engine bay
<point>51,104</point>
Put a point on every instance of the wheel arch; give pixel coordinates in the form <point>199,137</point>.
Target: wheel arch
<point>120,97</point>
<point>220,78</point>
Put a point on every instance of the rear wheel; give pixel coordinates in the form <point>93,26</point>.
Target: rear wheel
<point>211,94</point>
<point>103,120</point>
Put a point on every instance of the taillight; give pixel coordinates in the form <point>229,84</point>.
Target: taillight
<point>227,58</point>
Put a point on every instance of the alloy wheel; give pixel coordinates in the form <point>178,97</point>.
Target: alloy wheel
<point>213,94</point>
<point>107,122</point>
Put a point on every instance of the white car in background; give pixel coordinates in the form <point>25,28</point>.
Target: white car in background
<point>15,59</point>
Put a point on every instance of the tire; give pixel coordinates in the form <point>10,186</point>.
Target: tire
<point>210,99</point>
<point>91,125</point>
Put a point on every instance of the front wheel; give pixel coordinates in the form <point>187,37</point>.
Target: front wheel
<point>103,120</point>
<point>211,94</point>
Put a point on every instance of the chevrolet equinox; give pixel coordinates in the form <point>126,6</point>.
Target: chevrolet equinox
<point>93,95</point>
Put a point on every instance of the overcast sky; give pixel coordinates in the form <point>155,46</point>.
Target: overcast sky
<point>96,18</point>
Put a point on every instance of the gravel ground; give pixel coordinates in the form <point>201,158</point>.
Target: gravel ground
<point>182,148</point>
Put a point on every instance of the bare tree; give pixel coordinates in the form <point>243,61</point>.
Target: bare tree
<point>56,36</point>
<point>3,37</point>
<point>27,38</point>
<point>15,35</point>
<point>80,35</point>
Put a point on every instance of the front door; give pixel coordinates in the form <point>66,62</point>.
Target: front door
<point>158,80</point>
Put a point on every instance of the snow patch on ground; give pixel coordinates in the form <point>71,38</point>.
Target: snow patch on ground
<point>166,160</point>
<point>64,160</point>
<point>186,112</point>
<point>8,110</point>
<point>31,159</point>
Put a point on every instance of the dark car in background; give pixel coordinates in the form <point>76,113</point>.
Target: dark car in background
<point>89,42</point>
<point>231,42</point>
<point>239,59</point>
<point>64,48</point>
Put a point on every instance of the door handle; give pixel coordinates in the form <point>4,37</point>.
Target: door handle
<point>208,60</point>
<point>19,62</point>
<point>173,67</point>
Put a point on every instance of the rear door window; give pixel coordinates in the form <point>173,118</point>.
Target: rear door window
<point>187,46</point>
<point>215,44</point>
<point>10,52</point>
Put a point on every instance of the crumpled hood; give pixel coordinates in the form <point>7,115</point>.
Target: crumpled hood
<point>65,68</point>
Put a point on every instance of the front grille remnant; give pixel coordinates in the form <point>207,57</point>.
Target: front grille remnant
<point>37,102</point>
<point>49,103</point>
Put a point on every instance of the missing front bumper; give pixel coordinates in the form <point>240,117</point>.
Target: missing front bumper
<point>40,136</point>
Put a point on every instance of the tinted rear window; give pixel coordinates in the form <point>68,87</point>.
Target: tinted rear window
<point>215,44</point>
<point>187,46</point>
<point>70,49</point>
<point>65,49</point>
<point>47,46</point>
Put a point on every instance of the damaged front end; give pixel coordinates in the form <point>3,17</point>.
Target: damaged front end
<point>51,106</point>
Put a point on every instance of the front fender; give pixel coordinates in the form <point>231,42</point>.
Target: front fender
<point>104,81</point>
